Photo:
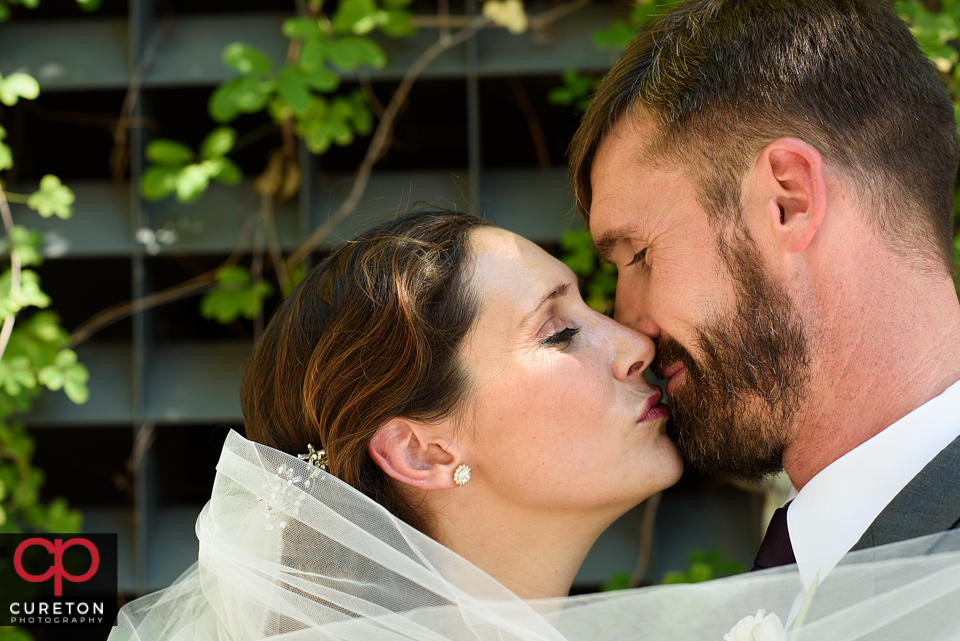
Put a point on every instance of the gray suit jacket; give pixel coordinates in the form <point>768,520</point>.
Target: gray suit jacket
<point>930,503</point>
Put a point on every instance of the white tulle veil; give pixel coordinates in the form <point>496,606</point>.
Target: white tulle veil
<point>290,552</point>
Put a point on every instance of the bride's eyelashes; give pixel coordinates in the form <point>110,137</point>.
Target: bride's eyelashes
<point>562,338</point>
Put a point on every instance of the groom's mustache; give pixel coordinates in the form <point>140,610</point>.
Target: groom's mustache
<point>668,352</point>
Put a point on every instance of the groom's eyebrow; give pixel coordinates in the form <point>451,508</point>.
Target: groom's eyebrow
<point>610,239</point>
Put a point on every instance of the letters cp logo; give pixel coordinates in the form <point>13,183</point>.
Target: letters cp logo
<point>56,570</point>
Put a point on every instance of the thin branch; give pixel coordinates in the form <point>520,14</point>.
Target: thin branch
<point>443,12</point>
<point>533,122</point>
<point>104,121</point>
<point>20,199</point>
<point>268,220</point>
<point>254,135</point>
<point>646,538</point>
<point>545,20</point>
<point>256,272</point>
<point>192,287</point>
<point>442,22</point>
<point>118,157</point>
<point>366,86</point>
<point>14,271</point>
<point>381,137</point>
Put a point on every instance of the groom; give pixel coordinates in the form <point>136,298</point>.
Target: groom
<point>774,180</point>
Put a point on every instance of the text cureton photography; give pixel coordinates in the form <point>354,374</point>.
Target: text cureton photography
<point>58,579</point>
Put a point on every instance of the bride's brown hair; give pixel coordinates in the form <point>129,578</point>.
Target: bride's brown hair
<point>371,333</point>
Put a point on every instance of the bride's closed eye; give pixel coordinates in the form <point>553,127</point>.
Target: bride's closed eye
<point>562,338</point>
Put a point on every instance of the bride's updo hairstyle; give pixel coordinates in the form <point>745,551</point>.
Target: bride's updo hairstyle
<point>371,333</point>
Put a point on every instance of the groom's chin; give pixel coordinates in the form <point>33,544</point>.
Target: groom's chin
<point>724,451</point>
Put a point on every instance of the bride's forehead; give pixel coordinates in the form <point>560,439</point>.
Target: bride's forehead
<point>499,246</point>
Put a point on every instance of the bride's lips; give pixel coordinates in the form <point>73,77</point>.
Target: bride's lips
<point>653,409</point>
<point>672,373</point>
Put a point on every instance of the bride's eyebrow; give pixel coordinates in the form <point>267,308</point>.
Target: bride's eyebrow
<point>559,290</point>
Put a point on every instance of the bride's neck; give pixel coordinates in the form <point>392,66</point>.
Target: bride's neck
<point>536,556</point>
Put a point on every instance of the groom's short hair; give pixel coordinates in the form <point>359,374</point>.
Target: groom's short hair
<point>723,78</point>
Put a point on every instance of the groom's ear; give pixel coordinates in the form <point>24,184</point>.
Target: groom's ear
<point>791,183</point>
<point>416,454</point>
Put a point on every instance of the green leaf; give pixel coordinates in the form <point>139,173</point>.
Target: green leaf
<point>16,374</point>
<point>311,65</point>
<point>89,6</point>
<point>351,52</point>
<point>397,4</point>
<point>576,88</point>
<point>218,142</point>
<point>302,29</point>
<point>168,153</point>
<point>246,59</point>
<point>4,11</point>
<point>293,88</point>
<point>642,10</point>
<point>360,114</point>
<point>245,94</point>
<point>158,182</point>
<point>617,36</point>
<point>396,24</point>
<point>68,374</point>
<point>355,16</point>
<point>6,156</point>
<point>29,294</point>
<point>45,327</point>
<point>322,80</point>
<point>191,182</point>
<point>227,172</point>
<point>236,295</point>
<point>56,516</point>
<point>27,242</point>
<point>53,197</point>
<point>705,566</point>
<point>312,56</point>
<point>617,581</point>
<point>16,86</point>
<point>578,252</point>
<point>222,105</point>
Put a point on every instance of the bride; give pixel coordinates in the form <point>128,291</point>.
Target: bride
<point>466,428</point>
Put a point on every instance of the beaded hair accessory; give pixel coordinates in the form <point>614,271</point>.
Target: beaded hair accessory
<point>315,457</point>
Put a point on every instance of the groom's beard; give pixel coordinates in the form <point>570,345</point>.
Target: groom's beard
<point>733,409</point>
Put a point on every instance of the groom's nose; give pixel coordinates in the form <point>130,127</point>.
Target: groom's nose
<point>629,309</point>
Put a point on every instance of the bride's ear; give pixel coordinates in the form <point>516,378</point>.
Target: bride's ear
<point>415,454</point>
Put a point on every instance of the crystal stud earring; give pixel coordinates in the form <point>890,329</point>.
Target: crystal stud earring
<point>462,475</point>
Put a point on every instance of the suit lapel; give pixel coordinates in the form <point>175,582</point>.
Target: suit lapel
<point>930,503</point>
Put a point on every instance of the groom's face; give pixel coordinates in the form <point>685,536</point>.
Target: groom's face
<point>730,341</point>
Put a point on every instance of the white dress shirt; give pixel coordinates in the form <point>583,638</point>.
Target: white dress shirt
<point>830,514</point>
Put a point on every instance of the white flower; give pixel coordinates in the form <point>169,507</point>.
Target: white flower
<point>506,13</point>
<point>757,628</point>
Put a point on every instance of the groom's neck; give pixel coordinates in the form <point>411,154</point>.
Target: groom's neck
<point>878,357</point>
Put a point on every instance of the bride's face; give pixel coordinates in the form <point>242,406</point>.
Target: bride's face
<point>560,415</point>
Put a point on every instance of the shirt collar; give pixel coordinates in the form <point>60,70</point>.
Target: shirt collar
<point>832,511</point>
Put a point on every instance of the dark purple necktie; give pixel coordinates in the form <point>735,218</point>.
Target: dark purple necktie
<point>775,550</point>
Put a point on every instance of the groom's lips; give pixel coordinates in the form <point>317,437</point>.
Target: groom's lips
<point>672,373</point>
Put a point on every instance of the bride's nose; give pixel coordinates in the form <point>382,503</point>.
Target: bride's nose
<point>632,352</point>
